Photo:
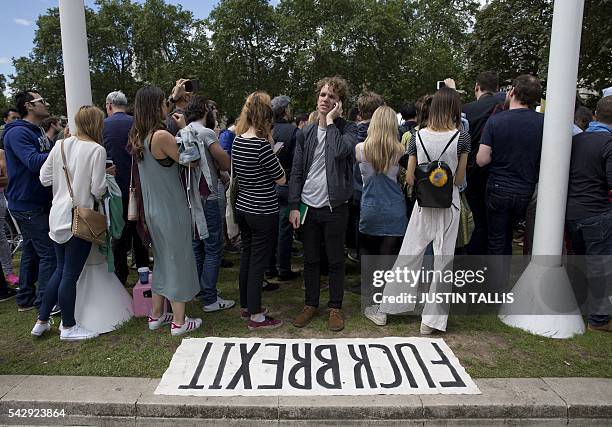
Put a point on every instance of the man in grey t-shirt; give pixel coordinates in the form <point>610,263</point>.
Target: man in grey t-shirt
<point>319,188</point>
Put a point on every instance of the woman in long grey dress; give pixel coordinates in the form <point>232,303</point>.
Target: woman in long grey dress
<point>166,212</point>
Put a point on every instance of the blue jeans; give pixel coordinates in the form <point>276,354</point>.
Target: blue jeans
<point>208,252</point>
<point>285,235</point>
<point>37,256</point>
<point>592,237</point>
<point>71,258</point>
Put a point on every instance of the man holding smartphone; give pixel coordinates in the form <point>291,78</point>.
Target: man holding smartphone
<point>181,94</point>
<point>319,189</point>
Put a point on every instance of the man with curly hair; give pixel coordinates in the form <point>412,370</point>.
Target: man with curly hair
<point>319,190</point>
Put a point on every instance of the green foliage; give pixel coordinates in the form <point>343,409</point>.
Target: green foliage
<point>398,48</point>
<point>513,37</point>
<point>4,103</point>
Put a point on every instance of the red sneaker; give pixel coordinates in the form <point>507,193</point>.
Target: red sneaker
<point>245,315</point>
<point>268,323</point>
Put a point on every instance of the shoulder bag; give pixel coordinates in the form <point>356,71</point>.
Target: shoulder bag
<point>87,224</point>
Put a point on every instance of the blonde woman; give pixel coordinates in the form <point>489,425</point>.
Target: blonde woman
<point>85,159</point>
<point>383,219</point>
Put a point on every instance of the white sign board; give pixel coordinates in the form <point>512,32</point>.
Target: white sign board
<point>298,367</point>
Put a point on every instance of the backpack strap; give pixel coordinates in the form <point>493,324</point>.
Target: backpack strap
<point>447,145</point>
<point>423,146</point>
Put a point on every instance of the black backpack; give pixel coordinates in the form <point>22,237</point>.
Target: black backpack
<point>434,180</point>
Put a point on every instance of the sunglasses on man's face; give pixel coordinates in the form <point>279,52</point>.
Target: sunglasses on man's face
<point>42,100</point>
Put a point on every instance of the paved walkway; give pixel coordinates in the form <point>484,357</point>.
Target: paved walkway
<point>131,402</point>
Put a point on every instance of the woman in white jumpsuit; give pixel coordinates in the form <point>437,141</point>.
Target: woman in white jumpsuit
<point>428,225</point>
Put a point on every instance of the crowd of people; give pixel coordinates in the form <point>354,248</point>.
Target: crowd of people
<point>373,183</point>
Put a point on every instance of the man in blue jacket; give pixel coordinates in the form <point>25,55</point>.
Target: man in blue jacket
<point>26,148</point>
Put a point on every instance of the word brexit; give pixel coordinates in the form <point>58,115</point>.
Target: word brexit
<point>291,367</point>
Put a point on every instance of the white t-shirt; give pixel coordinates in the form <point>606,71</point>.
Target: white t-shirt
<point>86,162</point>
<point>314,192</point>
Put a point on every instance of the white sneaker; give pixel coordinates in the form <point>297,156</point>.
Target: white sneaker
<point>76,333</point>
<point>426,330</point>
<point>164,319</point>
<point>188,326</point>
<point>375,316</point>
<point>220,304</point>
<point>41,328</point>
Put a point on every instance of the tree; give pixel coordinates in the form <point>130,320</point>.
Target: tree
<point>595,68</point>
<point>245,50</point>
<point>129,45</point>
<point>4,103</point>
<point>513,37</point>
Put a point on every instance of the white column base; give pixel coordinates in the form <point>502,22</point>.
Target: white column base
<point>546,292</point>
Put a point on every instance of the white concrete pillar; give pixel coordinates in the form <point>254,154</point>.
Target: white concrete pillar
<point>76,57</point>
<point>544,289</point>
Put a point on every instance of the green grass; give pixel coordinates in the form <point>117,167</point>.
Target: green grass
<point>485,346</point>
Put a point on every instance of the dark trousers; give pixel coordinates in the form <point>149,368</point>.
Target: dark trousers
<point>129,240</point>
<point>37,256</point>
<point>592,237</point>
<point>475,194</point>
<point>281,252</point>
<point>328,226</point>
<point>3,284</point>
<point>380,245</point>
<point>504,211</point>
<point>258,234</point>
<point>61,289</point>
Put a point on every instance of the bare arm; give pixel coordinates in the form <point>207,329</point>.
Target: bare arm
<point>483,157</point>
<point>412,163</point>
<point>460,175</point>
<point>220,156</point>
<point>163,145</point>
<point>3,172</point>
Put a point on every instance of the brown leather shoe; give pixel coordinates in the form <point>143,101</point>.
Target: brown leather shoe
<point>305,316</point>
<point>336,321</point>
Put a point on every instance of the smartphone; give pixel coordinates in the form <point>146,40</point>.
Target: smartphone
<point>192,85</point>
<point>109,163</point>
<point>441,84</point>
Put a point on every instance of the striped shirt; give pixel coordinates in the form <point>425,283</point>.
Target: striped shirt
<point>256,168</point>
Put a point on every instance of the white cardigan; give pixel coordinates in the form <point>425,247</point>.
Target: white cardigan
<point>86,162</point>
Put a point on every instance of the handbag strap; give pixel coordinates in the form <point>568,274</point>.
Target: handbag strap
<point>132,174</point>
<point>66,171</point>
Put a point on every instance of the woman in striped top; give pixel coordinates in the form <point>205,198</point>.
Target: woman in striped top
<point>257,169</point>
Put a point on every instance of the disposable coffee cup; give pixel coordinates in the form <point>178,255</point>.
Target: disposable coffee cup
<point>143,275</point>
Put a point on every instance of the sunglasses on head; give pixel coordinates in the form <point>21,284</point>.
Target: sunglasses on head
<point>34,101</point>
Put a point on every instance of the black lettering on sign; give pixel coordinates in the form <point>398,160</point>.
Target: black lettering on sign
<point>304,363</point>
<point>330,363</point>
<point>196,375</point>
<point>216,385</point>
<point>444,361</point>
<point>419,359</point>
<point>363,362</point>
<point>396,372</point>
<point>280,367</point>
<point>244,371</point>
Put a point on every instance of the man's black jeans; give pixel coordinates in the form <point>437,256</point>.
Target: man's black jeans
<point>504,211</point>
<point>328,226</point>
